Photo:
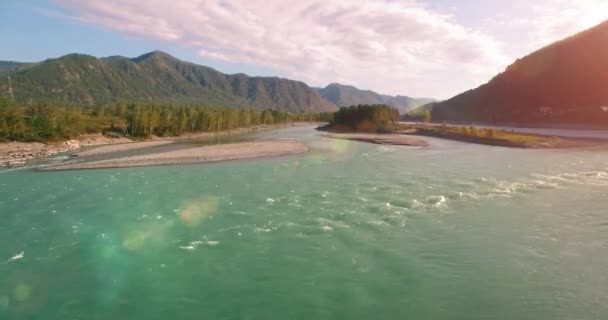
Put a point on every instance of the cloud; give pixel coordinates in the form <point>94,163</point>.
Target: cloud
<point>547,21</point>
<point>557,19</point>
<point>384,45</point>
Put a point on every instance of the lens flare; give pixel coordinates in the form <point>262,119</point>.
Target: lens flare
<point>329,149</point>
<point>108,252</point>
<point>4,302</point>
<point>22,292</point>
<point>135,240</point>
<point>286,170</point>
<point>195,212</point>
<point>340,145</point>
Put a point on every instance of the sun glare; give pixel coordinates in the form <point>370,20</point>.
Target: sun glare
<point>594,12</point>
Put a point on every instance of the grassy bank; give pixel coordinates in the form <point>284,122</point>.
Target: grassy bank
<point>495,137</point>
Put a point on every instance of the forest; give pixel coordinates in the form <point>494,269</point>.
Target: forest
<point>365,118</point>
<point>48,122</point>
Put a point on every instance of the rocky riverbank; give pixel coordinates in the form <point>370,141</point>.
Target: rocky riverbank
<point>14,154</point>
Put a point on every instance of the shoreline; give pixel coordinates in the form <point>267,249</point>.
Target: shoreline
<point>375,138</point>
<point>531,141</point>
<point>488,136</point>
<point>16,154</point>
<point>204,154</point>
<point>564,126</point>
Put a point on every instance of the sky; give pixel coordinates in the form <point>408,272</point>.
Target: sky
<point>421,48</point>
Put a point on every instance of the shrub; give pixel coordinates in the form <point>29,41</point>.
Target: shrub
<point>491,133</point>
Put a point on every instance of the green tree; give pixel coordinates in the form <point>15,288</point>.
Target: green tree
<point>368,118</point>
<point>427,116</point>
<point>12,125</point>
<point>44,122</point>
<point>267,117</point>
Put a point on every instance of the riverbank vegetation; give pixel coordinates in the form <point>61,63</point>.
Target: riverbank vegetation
<point>364,118</point>
<point>495,137</point>
<point>47,122</point>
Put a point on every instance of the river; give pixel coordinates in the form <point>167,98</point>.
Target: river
<point>348,230</point>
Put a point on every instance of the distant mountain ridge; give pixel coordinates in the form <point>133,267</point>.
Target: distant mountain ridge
<point>8,67</point>
<point>157,77</point>
<point>78,79</point>
<point>565,83</point>
<point>344,95</point>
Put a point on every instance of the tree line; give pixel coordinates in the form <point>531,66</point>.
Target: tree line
<point>366,118</point>
<point>47,122</point>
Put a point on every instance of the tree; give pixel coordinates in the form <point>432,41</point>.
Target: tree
<point>427,116</point>
<point>267,117</point>
<point>12,125</point>
<point>367,118</point>
<point>153,122</point>
<point>44,122</point>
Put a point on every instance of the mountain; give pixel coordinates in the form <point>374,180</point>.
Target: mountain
<point>8,67</point>
<point>404,104</point>
<point>420,111</point>
<point>78,79</point>
<point>565,83</point>
<point>343,95</point>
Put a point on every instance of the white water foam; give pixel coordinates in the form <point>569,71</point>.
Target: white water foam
<point>386,149</point>
<point>327,228</point>
<point>17,257</point>
<point>379,223</point>
<point>193,245</point>
<point>535,182</point>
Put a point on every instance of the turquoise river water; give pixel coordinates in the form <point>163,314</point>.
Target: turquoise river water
<point>347,230</point>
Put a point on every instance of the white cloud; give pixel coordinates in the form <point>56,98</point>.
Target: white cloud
<point>384,45</point>
<point>543,22</point>
<point>557,19</point>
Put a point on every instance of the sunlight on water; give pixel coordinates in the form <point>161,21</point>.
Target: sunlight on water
<point>135,240</point>
<point>22,292</point>
<point>196,211</point>
<point>4,302</point>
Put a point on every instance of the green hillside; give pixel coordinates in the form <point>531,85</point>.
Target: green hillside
<point>8,67</point>
<point>565,83</point>
<point>156,77</point>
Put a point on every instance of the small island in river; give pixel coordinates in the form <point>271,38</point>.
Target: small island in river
<point>376,124</point>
